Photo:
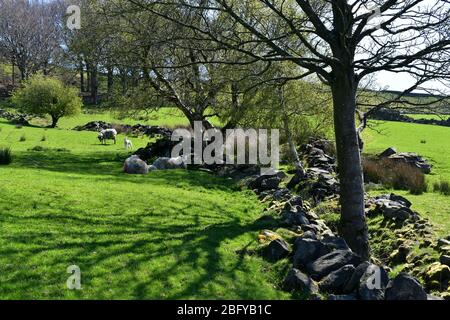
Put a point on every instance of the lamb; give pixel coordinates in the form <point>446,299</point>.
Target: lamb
<point>127,144</point>
<point>107,134</point>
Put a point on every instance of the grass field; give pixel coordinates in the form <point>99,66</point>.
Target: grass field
<point>431,142</point>
<point>167,235</point>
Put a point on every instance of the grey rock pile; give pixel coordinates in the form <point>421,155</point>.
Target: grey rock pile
<point>410,158</point>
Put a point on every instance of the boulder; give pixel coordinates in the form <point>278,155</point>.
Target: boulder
<point>277,250</point>
<point>373,283</point>
<point>399,255</point>
<point>134,165</point>
<point>297,280</point>
<point>353,283</point>
<point>388,152</point>
<point>445,260</point>
<point>265,182</point>
<point>168,163</point>
<point>334,242</point>
<point>307,251</point>
<point>437,276</point>
<point>296,218</point>
<point>336,280</point>
<point>309,235</point>
<point>411,159</point>
<point>405,287</point>
<point>331,262</point>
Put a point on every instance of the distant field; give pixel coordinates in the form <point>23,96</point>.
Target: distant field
<point>406,137</point>
<point>429,116</point>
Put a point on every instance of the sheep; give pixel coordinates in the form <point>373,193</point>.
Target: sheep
<point>107,134</point>
<point>127,144</point>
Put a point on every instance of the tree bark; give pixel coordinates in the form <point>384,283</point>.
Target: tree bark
<point>54,121</point>
<point>81,70</point>
<point>353,225</point>
<point>13,74</point>
<point>110,81</point>
<point>94,85</point>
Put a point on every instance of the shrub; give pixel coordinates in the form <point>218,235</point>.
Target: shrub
<point>22,138</point>
<point>44,95</point>
<point>5,156</point>
<point>395,175</point>
<point>442,187</point>
<point>44,138</point>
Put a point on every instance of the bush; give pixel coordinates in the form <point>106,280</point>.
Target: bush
<point>442,187</point>
<point>5,156</point>
<point>22,138</point>
<point>44,95</point>
<point>44,138</point>
<point>399,176</point>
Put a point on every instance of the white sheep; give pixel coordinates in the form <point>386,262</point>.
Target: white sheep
<point>127,144</point>
<point>107,134</point>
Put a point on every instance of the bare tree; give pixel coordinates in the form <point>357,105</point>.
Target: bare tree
<point>345,41</point>
<point>30,34</point>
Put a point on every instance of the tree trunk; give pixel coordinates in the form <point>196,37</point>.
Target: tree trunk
<point>353,225</point>
<point>94,85</point>
<point>54,121</point>
<point>13,74</point>
<point>110,81</point>
<point>292,148</point>
<point>81,76</point>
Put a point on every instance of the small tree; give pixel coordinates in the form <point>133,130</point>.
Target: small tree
<point>44,95</point>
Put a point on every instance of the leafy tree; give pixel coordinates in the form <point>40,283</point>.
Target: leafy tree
<point>42,95</point>
<point>345,43</point>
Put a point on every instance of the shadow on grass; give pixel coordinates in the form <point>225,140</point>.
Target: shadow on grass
<point>144,255</point>
<point>108,166</point>
<point>167,250</point>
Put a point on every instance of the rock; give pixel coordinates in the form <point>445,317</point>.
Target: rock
<point>331,262</point>
<point>164,163</point>
<point>444,259</point>
<point>281,194</point>
<point>443,243</point>
<point>373,283</point>
<point>268,235</point>
<point>437,276</point>
<point>264,183</point>
<point>336,280</point>
<point>388,152</point>
<point>307,251</point>
<point>277,250</point>
<point>343,297</point>
<point>134,165</point>
<point>353,283</point>
<point>296,218</point>
<point>411,159</point>
<point>309,235</point>
<point>405,287</point>
<point>297,280</point>
<point>334,242</point>
<point>431,297</point>
<point>399,255</point>
<point>400,199</point>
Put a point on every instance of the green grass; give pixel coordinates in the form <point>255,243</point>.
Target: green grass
<point>166,117</point>
<point>407,137</point>
<point>166,235</point>
<point>429,116</point>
